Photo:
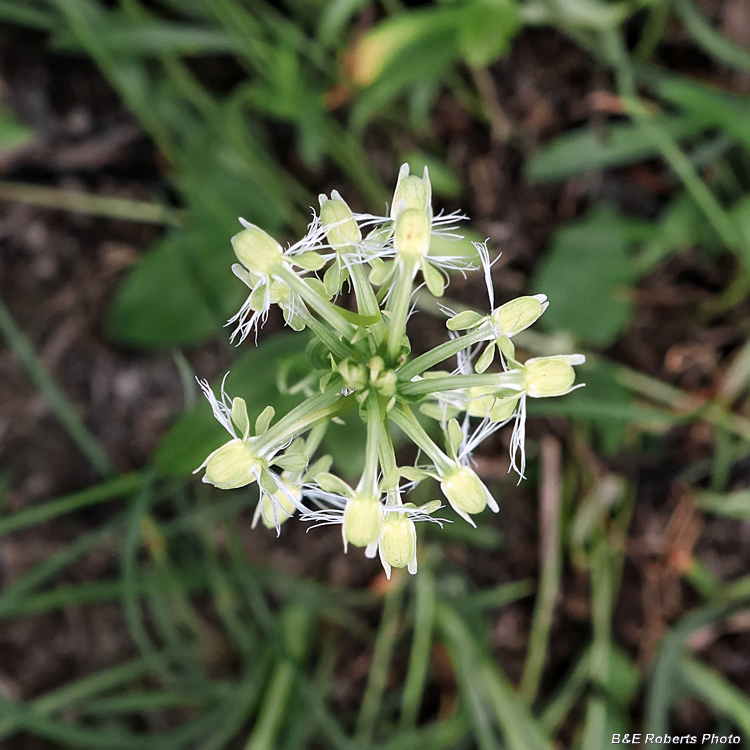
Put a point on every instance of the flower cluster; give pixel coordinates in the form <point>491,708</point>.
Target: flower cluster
<point>361,361</point>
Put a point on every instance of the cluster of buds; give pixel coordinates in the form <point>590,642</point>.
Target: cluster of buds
<point>361,360</point>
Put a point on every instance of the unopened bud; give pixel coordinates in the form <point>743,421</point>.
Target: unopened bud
<point>518,314</point>
<point>466,492</point>
<point>412,236</point>
<point>549,376</point>
<point>257,250</point>
<point>411,192</point>
<point>342,229</point>
<point>362,517</point>
<point>398,540</point>
<point>231,466</point>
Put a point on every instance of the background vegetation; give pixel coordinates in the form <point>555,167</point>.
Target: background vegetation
<point>603,146</point>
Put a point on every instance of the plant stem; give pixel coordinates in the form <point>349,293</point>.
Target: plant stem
<point>510,381</point>
<point>442,352</point>
<point>398,306</point>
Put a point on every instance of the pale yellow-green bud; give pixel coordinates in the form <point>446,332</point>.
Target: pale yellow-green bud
<point>231,466</point>
<point>412,236</point>
<point>354,375</point>
<point>345,230</point>
<point>411,192</point>
<point>398,540</point>
<point>466,492</point>
<point>518,314</point>
<point>283,505</point>
<point>545,377</point>
<point>257,250</point>
<point>362,517</point>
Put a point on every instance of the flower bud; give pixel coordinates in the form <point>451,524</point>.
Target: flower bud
<point>398,540</point>
<point>518,314</point>
<point>466,492</point>
<point>412,236</point>
<point>343,229</point>
<point>231,466</point>
<point>548,376</point>
<point>362,517</point>
<point>257,250</point>
<point>411,192</point>
<point>281,503</point>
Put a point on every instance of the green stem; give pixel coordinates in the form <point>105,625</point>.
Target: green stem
<point>442,352</point>
<point>316,301</point>
<point>367,302</point>
<point>404,418</point>
<point>53,395</point>
<point>498,380</point>
<point>369,480</point>
<point>314,410</point>
<point>398,307</point>
<point>327,337</point>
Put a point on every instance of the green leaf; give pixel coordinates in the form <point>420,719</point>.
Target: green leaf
<point>586,274</point>
<point>12,132</point>
<point>253,376</point>
<point>731,505</point>
<point>170,296</point>
<point>486,29</point>
<point>587,149</point>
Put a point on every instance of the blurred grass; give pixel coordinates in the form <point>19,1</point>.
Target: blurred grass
<point>283,633</point>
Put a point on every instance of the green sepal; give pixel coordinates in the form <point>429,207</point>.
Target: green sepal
<point>321,466</point>
<point>390,480</point>
<point>291,461</point>
<point>381,271</point>
<point>263,421</point>
<point>454,437</point>
<point>239,416</point>
<point>431,507</point>
<point>412,473</point>
<point>293,320</point>
<point>267,482</point>
<point>485,360</point>
<point>465,320</point>
<point>331,483</point>
<point>506,347</point>
<point>434,280</point>
<point>309,261</point>
<point>258,297</point>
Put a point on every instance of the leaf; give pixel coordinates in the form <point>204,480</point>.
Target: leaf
<point>253,376</point>
<point>586,149</point>
<point>486,29</point>
<point>12,132</point>
<point>168,299</point>
<point>586,273</point>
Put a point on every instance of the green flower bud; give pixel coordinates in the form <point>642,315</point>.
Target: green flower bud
<point>549,376</point>
<point>231,466</point>
<point>466,492</point>
<point>412,192</point>
<point>283,505</point>
<point>412,236</point>
<point>518,314</point>
<point>257,250</point>
<point>344,230</point>
<point>398,540</point>
<point>362,517</point>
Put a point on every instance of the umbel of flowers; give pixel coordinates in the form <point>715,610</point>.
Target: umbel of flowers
<point>361,361</point>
